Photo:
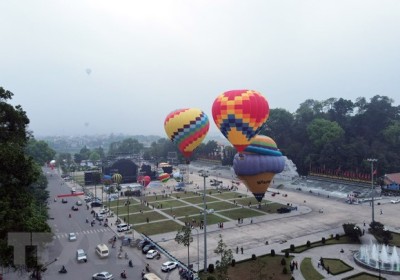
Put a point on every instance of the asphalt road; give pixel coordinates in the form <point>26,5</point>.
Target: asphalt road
<point>87,239</point>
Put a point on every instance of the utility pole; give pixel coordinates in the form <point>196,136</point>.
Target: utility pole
<point>205,175</point>
<point>372,160</point>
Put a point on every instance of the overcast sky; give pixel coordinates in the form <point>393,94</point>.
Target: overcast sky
<point>95,66</point>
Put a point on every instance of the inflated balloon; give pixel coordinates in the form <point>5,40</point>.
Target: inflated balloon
<point>164,177</point>
<point>117,178</point>
<point>259,165</point>
<point>186,128</point>
<point>144,180</point>
<point>240,115</point>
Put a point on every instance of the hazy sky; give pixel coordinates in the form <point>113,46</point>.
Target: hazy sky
<point>148,58</point>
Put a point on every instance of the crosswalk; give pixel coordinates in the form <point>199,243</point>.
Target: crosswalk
<point>84,232</point>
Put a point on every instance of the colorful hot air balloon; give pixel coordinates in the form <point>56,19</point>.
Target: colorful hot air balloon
<point>164,177</point>
<point>144,180</point>
<point>117,178</point>
<point>240,115</point>
<point>187,128</point>
<point>257,168</point>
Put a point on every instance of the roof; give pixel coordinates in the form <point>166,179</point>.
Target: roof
<point>392,178</point>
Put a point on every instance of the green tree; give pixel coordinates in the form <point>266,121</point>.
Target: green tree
<point>94,156</point>
<point>322,131</point>
<point>20,196</point>
<point>40,151</point>
<point>184,237</point>
<point>225,260</point>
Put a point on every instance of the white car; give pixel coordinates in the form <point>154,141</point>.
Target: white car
<point>71,236</point>
<point>104,275</point>
<point>395,201</point>
<point>167,266</point>
<point>151,254</point>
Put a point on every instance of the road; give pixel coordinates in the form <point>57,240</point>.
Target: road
<point>87,239</point>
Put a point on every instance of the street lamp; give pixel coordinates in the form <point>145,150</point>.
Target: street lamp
<point>205,175</point>
<point>372,160</point>
<point>42,268</point>
<point>198,255</point>
<point>379,268</point>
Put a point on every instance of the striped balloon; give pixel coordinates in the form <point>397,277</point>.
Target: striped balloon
<point>240,115</point>
<point>117,178</point>
<point>164,177</point>
<point>186,128</point>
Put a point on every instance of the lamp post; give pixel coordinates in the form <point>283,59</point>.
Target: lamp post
<point>42,268</point>
<point>379,268</point>
<point>198,247</point>
<point>372,160</point>
<point>205,175</point>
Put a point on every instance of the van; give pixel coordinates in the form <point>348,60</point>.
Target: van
<point>123,227</point>
<point>151,276</point>
<point>81,255</point>
<point>102,250</point>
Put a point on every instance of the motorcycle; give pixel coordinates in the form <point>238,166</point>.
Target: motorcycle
<point>63,270</point>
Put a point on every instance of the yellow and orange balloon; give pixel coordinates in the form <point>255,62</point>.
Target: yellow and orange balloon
<point>187,128</point>
<point>240,115</point>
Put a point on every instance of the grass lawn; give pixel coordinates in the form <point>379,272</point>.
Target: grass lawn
<point>168,203</point>
<point>184,194</point>
<point>159,197</point>
<point>336,266</point>
<point>199,199</point>
<point>246,200</point>
<point>220,205</point>
<point>133,208</point>
<point>227,195</point>
<point>211,219</point>
<point>240,213</point>
<point>344,239</point>
<point>182,211</point>
<point>141,218</point>
<point>363,276</point>
<point>396,239</point>
<point>308,270</point>
<point>265,267</point>
<point>270,207</point>
<point>159,227</point>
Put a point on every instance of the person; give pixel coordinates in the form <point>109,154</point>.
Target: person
<point>131,264</point>
<point>143,273</point>
<point>87,220</point>
<point>123,274</point>
<point>147,267</point>
<point>70,215</point>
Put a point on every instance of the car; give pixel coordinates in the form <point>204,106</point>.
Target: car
<point>78,203</point>
<point>74,208</point>
<point>87,199</point>
<point>168,266</point>
<point>100,217</point>
<point>104,275</point>
<point>283,210</point>
<point>151,254</point>
<point>143,243</point>
<point>81,255</point>
<point>71,236</point>
<point>395,201</point>
<point>96,204</point>
<point>147,248</point>
<point>64,200</point>
<point>123,227</point>
<point>104,211</point>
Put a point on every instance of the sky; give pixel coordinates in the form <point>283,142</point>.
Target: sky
<point>87,67</point>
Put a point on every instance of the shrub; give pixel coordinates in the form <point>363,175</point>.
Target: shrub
<point>308,244</point>
<point>211,268</point>
<point>287,254</point>
<point>323,240</point>
<point>210,277</point>
<point>283,261</point>
<point>292,247</point>
<point>253,257</point>
<point>233,262</point>
<point>337,236</point>
<point>292,278</point>
<point>284,270</point>
<point>272,253</point>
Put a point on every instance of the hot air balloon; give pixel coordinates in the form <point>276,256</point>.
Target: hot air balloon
<point>117,178</point>
<point>240,115</point>
<point>186,128</point>
<point>144,180</point>
<point>259,165</point>
<point>164,177</point>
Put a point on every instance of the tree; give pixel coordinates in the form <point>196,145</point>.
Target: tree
<point>40,151</point>
<point>21,191</point>
<point>184,237</point>
<point>225,260</point>
<point>322,131</point>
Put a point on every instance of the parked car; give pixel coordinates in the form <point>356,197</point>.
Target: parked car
<point>78,203</point>
<point>74,208</point>
<point>64,200</point>
<point>87,199</point>
<point>143,243</point>
<point>151,254</point>
<point>104,275</point>
<point>168,266</point>
<point>283,210</point>
<point>71,236</point>
<point>96,204</point>
<point>100,217</point>
<point>123,227</point>
<point>147,248</point>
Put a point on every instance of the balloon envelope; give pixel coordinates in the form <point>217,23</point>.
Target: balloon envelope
<point>187,129</point>
<point>263,145</point>
<point>164,177</point>
<point>117,178</point>
<point>240,115</point>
